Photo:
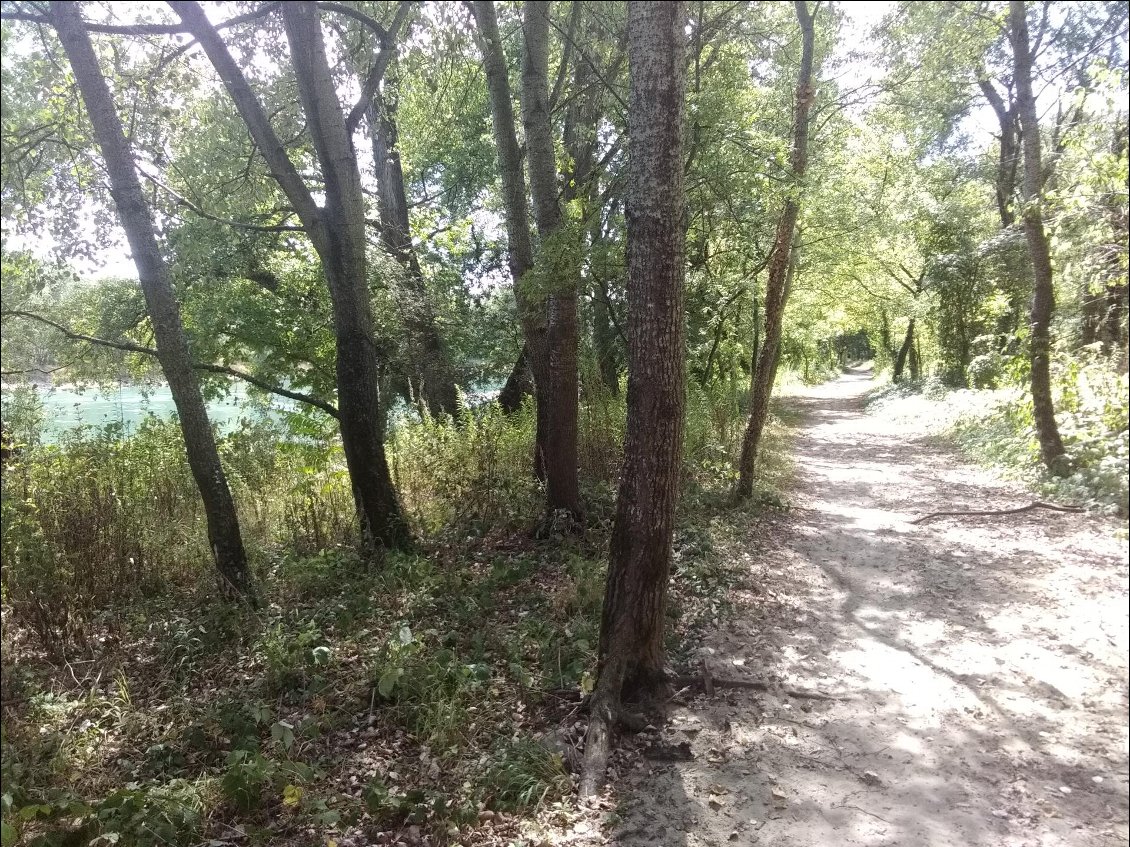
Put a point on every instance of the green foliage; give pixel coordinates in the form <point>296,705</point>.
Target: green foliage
<point>427,687</point>
<point>996,427</point>
<point>522,775</point>
<point>474,475</point>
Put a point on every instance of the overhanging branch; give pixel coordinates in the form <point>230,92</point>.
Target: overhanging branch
<point>130,347</point>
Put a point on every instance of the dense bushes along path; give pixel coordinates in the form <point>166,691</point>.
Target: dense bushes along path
<point>984,659</point>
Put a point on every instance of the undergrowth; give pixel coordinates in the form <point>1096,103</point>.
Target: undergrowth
<point>364,700</point>
<point>995,427</point>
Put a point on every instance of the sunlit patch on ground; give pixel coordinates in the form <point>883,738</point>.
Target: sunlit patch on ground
<point>982,662</point>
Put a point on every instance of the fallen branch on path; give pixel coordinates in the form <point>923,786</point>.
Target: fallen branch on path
<point>1031,507</point>
<point>708,683</point>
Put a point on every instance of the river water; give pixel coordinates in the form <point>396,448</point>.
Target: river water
<point>66,408</point>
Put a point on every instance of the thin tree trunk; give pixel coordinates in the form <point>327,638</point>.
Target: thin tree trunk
<point>604,345</point>
<point>160,299</point>
<point>531,306</point>
<point>776,289</point>
<point>562,483</point>
<point>429,360</point>
<point>1008,158</point>
<point>1043,290</point>
<point>580,140</point>
<point>904,351</point>
<point>337,232</point>
<point>885,336</point>
<point>631,630</point>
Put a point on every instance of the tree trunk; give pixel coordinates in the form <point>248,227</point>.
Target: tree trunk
<point>531,306</point>
<point>904,352</point>
<point>604,344</point>
<point>427,354</point>
<point>776,289</point>
<point>580,139</point>
<point>562,484</point>
<point>337,232</point>
<point>160,300</point>
<point>885,336</point>
<point>517,386</point>
<point>1008,159</point>
<point>631,630</point>
<point>1043,290</point>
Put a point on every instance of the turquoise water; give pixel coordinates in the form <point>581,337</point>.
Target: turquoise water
<point>68,408</point>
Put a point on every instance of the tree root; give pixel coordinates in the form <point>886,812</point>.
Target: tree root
<point>997,512</point>
<point>606,714</point>
<point>598,745</point>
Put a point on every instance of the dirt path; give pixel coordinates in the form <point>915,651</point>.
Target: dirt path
<point>985,661</point>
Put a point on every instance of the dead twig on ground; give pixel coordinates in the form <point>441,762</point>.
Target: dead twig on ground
<point>998,512</point>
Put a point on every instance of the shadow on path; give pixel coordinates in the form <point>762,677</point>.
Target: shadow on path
<point>983,662</point>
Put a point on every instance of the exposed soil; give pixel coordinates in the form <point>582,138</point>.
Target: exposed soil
<point>982,662</point>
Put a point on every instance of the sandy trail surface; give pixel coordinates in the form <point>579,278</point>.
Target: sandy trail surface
<point>982,664</point>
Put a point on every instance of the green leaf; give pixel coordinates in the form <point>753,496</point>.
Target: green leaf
<point>388,682</point>
<point>282,734</point>
<point>8,834</point>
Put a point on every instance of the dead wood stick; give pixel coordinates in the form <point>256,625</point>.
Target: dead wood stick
<point>707,680</point>
<point>996,512</point>
<point>699,682</point>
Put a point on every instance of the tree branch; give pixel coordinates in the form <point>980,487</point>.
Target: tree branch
<point>130,347</point>
<point>254,116</point>
<point>140,29</point>
<point>566,51</point>
<point>377,72</point>
<point>184,201</point>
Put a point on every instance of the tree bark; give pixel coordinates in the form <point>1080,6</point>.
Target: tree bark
<point>904,352</point>
<point>776,288</point>
<point>1043,290</point>
<point>337,232</point>
<point>429,360</point>
<point>631,630</point>
<point>562,484</point>
<point>531,307</point>
<point>160,299</point>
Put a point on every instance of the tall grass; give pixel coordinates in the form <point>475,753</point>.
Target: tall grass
<point>103,518</point>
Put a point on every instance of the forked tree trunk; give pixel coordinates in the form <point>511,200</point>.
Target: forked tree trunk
<point>562,485</point>
<point>631,627</point>
<point>904,352</point>
<point>160,301</point>
<point>531,306</point>
<point>1043,290</point>
<point>776,289</point>
<point>429,361</point>
<point>337,231</point>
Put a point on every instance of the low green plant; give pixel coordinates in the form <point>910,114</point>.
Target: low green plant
<point>522,775</point>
